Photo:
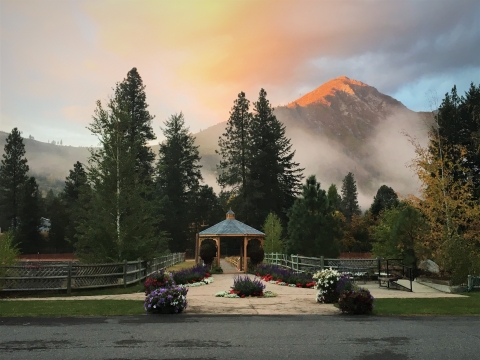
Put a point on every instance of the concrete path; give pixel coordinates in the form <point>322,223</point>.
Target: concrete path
<point>290,300</point>
<point>228,268</point>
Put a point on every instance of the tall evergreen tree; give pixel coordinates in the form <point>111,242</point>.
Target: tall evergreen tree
<point>275,179</point>
<point>74,182</point>
<point>13,176</point>
<point>234,152</point>
<point>313,228</point>
<point>118,223</point>
<point>334,197</point>
<point>385,198</point>
<point>178,181</point>
<point>131,94</point>
<point>28,232</point>
<point>456,133</point>
<point>349,205</point>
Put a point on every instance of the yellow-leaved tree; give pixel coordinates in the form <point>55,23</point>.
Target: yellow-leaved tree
<point>449,207</point>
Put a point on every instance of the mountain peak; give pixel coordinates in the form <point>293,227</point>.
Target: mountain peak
<point>329,89</point>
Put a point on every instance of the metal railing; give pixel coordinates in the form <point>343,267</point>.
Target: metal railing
<point>473,282</point>
<point>74,276</point>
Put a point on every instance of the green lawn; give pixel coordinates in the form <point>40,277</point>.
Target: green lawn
<point>71,308</point>
<point>181,266</point>
<point>468,305</point>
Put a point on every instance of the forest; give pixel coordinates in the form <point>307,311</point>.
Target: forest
<point>127,202</point>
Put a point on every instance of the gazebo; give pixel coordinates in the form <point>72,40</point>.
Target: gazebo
<point>225,229</point>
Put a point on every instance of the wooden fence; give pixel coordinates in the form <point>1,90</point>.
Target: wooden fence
<point>73,276</point>
<point>313,264</point>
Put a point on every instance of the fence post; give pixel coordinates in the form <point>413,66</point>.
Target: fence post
<point>469,283</point>
<point>322,262</point>
<point>139,272</point>
<point>125,273</point>
<point>69,279</point>
<point>276,258</point>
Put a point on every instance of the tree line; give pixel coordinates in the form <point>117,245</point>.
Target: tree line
<point>127,203</point>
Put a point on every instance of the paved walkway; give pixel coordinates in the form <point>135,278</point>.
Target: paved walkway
<point>290,300</point>
<point>228,268</point>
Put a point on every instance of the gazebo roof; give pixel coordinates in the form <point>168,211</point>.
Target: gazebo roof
<point>230,226</point>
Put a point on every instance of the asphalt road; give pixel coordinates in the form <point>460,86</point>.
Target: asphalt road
<point>240,337</point>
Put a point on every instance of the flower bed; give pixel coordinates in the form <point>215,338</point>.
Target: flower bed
<point>192,275</point>
<point>245,287</point>
<point>327,281</point>
<point>158,280</point>
<point>275,274</point>
<point>171,300</point>
<point>356,301</point>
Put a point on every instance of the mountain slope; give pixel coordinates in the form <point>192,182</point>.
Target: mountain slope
<point>343,125</point>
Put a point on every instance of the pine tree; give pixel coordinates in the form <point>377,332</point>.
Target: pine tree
<point>234,152</point>
<point>28,233</point>
<point>457,126</point>
<point>334,197</point>
<point>13,176</point>
<point>313,227</point>
<point>385,198</point>
<point>349,204</point>
<point>131,94</point>
<point>74,183</point>
<point>275,179</point>
<point>178,181</point>
<point>116,221</point>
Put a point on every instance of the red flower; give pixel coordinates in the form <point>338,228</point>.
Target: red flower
<point>242,296</point>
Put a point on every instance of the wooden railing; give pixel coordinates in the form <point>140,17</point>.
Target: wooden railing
<point>72,275</point>
<point>313,264</point>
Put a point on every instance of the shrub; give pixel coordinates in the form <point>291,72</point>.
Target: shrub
<point>171,300</point>
<point>327,281</point>
<point>244,286</point>
<point>188,276</point>
<point>270,272</point>
<point>216,270</point>
<point>356,302</point>
<point>345,283</point>
<point>159,280</point>
<point>208,251</point>
<point>255,252</point>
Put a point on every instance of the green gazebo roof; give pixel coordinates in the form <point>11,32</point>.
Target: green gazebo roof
<point>230,226</point>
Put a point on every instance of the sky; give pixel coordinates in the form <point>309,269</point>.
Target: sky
<point>58,57</point>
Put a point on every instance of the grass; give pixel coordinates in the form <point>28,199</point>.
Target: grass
<point>181,266</point>
<point>71,308</point>
<point>468,305</point>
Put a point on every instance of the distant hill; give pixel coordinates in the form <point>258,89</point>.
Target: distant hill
<point>343,125</point>
<point>49,163</point>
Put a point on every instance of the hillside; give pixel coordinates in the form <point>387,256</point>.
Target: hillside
<point>343,125</point>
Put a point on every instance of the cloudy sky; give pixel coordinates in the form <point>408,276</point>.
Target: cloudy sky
<point>59,56</point>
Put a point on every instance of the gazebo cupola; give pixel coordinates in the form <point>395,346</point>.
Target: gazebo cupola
<point>230,215</point>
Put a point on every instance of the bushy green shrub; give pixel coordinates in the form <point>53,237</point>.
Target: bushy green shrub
<point>356,302</point>
<point>255,252</point>
<point>208,252</point>
<point>216,270</point>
